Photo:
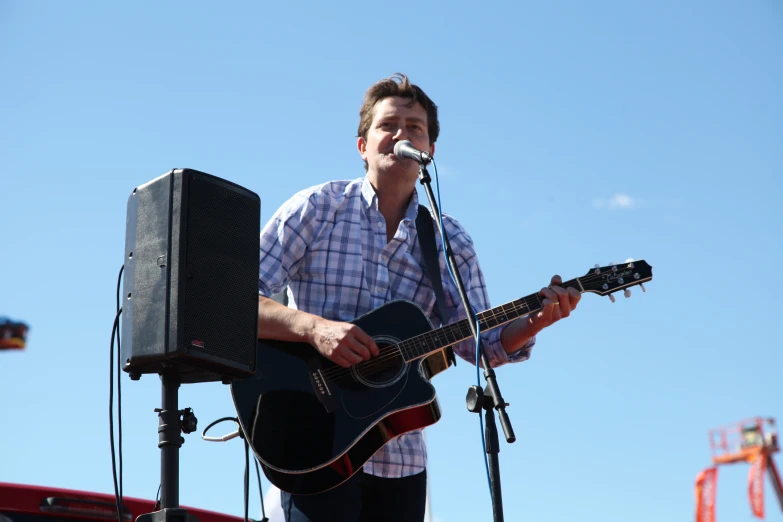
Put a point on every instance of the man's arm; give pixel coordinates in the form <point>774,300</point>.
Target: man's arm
<point>343,343</point>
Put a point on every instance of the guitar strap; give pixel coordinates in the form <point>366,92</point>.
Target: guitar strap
<point>426,233</point>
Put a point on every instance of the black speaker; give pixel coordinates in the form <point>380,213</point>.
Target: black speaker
<point>190,290</point>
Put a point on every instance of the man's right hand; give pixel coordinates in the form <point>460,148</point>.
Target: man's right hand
<point>342,343</point>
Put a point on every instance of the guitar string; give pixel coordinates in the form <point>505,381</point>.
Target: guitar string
<point>392,352</point>
<point>407,347</point>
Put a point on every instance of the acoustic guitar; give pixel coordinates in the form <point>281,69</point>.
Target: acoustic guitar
<point>313,424</point>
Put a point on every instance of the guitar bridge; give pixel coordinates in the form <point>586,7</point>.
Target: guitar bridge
<point>322,391</point>
<point>320,383</point>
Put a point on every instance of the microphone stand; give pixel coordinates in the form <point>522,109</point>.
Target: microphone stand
<point>477,398</point>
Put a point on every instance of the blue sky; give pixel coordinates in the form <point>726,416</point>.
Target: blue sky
<point>573,134</point>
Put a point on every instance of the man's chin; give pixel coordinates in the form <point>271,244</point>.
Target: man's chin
<point>392,161</point>
<point>401,168</point>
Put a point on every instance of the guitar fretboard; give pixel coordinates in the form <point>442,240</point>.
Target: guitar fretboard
<point>440,338</point>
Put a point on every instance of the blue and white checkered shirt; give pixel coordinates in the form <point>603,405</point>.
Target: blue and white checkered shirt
<point>327,244</point>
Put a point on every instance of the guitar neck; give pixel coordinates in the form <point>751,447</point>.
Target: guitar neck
<point>438,339</point>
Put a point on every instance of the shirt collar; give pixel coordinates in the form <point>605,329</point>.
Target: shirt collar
<point>370,198</point>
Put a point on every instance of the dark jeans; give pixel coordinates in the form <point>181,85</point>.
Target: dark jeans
<point>362,498</point>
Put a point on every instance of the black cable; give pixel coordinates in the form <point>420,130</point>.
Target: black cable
<point>111,415</point>
<point>222,419</point>
<point>247,478</point>
<point>260,492</point>
<point>157,499</point>
<point>119,279</point>
<point>247,464</point>
<point>119,381</point>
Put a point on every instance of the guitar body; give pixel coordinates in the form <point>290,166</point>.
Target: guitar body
<point>313,424</point>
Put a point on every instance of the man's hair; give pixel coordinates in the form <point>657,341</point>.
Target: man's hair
<point>397,85</point>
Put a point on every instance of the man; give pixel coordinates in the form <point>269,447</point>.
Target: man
<point>344,248</point>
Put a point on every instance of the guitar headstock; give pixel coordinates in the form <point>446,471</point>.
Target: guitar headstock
<point>606,280</point>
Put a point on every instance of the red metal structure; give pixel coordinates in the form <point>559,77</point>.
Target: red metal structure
<point>12,334</point>
<point>753,440</point>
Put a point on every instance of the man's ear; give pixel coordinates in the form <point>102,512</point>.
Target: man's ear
<point>361,145</point>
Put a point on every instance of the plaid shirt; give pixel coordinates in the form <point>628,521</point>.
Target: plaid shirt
<point>327,245</point>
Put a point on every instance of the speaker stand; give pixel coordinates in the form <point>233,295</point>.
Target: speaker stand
<point>169,442</point>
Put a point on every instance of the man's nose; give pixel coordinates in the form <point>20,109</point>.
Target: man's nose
<point>400,134</point>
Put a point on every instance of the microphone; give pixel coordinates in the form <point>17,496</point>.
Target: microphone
<point>405,149</point>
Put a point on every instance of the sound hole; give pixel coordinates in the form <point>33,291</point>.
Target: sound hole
<point>383,370</point>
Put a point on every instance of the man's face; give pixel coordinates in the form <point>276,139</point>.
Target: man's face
<point>393,121</point>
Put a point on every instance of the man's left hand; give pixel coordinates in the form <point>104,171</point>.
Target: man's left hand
<point>558,303</point>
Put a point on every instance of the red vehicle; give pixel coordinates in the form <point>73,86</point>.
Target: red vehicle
<point>24,503</point>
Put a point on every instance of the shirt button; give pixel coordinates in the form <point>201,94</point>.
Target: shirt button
<point>380,224</point>
<point>380,289</point>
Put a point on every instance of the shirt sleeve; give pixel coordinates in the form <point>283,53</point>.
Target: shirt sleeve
<point>284,242</point>
<point>476,288</point>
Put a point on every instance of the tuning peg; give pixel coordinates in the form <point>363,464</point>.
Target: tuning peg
<point>611,298</point>
<point>642,285</point>
<point>627,292</point>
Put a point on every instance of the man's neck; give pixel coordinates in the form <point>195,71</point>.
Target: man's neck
<point>393,200</point>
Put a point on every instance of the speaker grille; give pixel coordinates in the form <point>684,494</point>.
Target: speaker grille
<point>221,272</point>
